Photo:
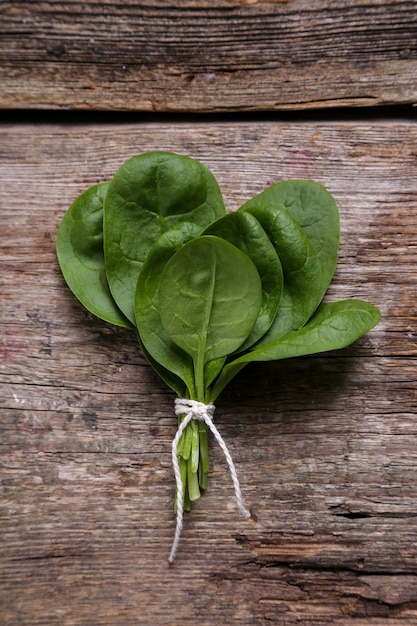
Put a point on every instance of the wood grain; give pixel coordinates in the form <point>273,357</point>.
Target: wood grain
<point>325,447</point>
<point>214,55</point>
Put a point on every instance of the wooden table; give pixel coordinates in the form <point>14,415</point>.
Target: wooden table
<point>325,446</point>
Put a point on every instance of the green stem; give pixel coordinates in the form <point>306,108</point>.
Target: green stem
<point>193,457</point>
<point>186,499</point>
<point>199,375</point>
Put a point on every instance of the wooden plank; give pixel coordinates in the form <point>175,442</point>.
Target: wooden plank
<point>213,55</point>
<point>325,447</point>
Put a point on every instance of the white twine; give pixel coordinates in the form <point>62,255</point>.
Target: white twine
<point>194,410</point>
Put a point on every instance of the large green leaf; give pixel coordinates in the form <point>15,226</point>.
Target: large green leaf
<point>301,269</point>
<point>148,195</point>
<point>335,325</point>
<point>245,232</point>
<point>81,257</point>
<point>210,295</point>
<point>316,211</point>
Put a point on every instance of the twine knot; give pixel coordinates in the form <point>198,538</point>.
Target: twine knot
<point>193,410</point>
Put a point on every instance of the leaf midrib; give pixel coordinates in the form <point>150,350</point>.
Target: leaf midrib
<point>200,362</point>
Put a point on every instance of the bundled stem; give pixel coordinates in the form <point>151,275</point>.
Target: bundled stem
<point>193,458</point>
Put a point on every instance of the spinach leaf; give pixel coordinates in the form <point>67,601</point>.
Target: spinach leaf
<point>335,325</point>
<point>245,232</point>
<point>81,257</point>
<point>210,296</point>
<point>301,269</point>
<point>316,211</point>
<point>148,195</point>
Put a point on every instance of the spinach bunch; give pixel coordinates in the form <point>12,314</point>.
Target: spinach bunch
<point>208,291</point>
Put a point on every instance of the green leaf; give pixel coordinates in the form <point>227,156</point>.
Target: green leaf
<point>302,291</point>
<point>154,338</point>
<point>245,232</point>
<point>210,295</point>
<point>335,325</point>
<point>148,195</point>
<point>316,211</point>
<point>81,257</point>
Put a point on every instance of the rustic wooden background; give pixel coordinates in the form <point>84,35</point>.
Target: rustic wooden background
<point>326,446</point>
<point>207,55</point>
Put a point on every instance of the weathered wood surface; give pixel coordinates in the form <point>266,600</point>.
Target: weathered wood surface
<point>211,55</point>
<point>325,447</point>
